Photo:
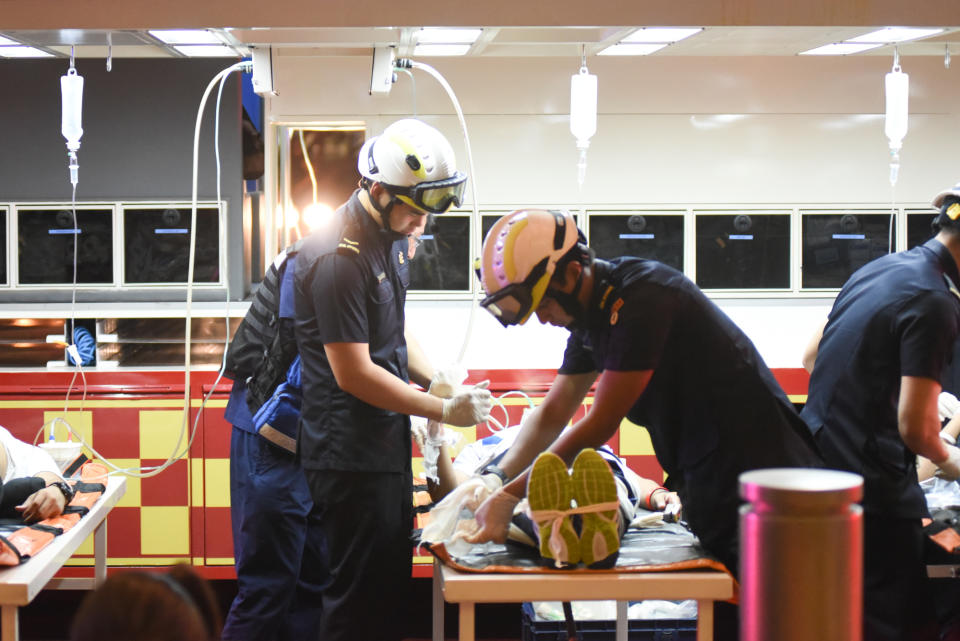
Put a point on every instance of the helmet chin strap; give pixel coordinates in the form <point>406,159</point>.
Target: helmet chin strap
<point>385,215</point>
<point>570,303</point>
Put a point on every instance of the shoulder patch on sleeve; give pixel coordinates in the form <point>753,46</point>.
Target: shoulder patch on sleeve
<point>347,246</point>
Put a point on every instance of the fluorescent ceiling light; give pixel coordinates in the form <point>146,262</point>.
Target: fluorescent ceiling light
<point>207,51</point>
<point>894,34</point>
<point>443,35</point>
<point>186,37</point>
<point>441,50</point>
<point>631,49</point>
<point>660,34</point>
<point>21,51</point>
<point>8,41</point>
<point>840,49</point>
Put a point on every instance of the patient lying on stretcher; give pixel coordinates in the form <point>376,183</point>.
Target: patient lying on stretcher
<point>571,516</point>
<point>28,474</point>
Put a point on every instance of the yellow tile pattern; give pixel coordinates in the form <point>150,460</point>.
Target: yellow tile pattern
<point>159,431</point>
<point>217,476</point>
<point>634,440</point>
<point>165,529</point>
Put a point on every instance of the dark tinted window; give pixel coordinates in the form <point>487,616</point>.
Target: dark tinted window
<point>3,247</point>
<point>743,251</point>
<point>836,245</point>
<point>659,237</point>
<point>156,245</point>
<point>442,261</point>
<point>918,228</point>
<point>46,240</point>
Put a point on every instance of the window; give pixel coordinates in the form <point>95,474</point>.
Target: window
<point>655,235</point>
<point>3,247</point>
<point>442,260</point>
<point>918,227</point>
<point>46,239</point>
<point>156,245</point>
<point>743,250</point>
<point>836,244</point>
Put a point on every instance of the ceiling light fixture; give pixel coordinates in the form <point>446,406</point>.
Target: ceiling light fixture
<point>185,36</point>
<point>840,49</point>
<point>664,35</point>
<point>631,49</point>
<point>207,51</point>
<point>22,51</point>
<point>889,35</point>
<point>447,36</point>
<point>441,50</point>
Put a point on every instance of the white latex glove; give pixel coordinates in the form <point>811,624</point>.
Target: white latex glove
<point>493,518</point>
<point>491,483</point>
<point>950,468</point>
<point>947,405</point>
<point>468,408</point>
<point>446,382</point>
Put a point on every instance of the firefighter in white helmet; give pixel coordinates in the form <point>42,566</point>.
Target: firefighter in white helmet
<point>662,355</point>
<point>354,434</point>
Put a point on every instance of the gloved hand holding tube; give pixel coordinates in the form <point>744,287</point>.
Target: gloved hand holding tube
<point>947,405</point>
<point>949,468</point>
<point>493,518</point>
<point>468,408</point>
<point>446,382</point>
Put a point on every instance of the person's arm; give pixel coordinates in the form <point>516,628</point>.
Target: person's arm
<point>418,365</point>
<point>616,394</point>
<point>810,351</point>
<point>927,468</point>
<point>359,376</point>
<point>547,420</point>
<point>918,419</point>
<point>448,476</point>
<point>46,503</point>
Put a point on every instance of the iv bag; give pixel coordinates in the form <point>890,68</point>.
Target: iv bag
<point>897,86</point>
<point>71,94</point>
<point>583,106</point>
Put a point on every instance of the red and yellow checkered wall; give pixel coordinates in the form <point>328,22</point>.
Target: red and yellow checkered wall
<point>182,514</point>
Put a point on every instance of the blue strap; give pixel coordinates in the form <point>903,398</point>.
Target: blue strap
<point>286,306</point>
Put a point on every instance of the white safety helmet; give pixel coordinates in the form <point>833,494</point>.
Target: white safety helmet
<point>520,255</point>
<point>415,163</point>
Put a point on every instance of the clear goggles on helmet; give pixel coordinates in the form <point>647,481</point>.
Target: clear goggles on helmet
<point>436,196</point>
<point>514,303</point>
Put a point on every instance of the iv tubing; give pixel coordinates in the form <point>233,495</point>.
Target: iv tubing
<point>473,184</point>
<point>175,456</point>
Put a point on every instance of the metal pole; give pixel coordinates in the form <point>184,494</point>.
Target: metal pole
<point>801,555</point>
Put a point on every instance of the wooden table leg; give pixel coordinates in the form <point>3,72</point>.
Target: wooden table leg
<point>437,602</point>
<point>10,623</point>
<point>704,620</point>
<point>467,624</point>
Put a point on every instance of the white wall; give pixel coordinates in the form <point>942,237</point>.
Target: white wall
<point>679,131</point>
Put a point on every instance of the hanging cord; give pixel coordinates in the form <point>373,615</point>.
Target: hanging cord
<point>176,455</point>
<point>413,88</point>
<point>403,63</point>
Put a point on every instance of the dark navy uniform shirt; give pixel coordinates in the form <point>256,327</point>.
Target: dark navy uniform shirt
<point>712,407</point>
<point>897,316</point>
<point>350,284</point>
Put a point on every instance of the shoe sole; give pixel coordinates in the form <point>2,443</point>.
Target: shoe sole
<point>593,484</point>
<point>549,488</point>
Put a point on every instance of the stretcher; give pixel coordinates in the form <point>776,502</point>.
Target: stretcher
<point>19,584</point>
<point>657,563</point>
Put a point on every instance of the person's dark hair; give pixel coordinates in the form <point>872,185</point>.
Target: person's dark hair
<point>943,221</point>
<point>178,606</point>
<point>580,253</point>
